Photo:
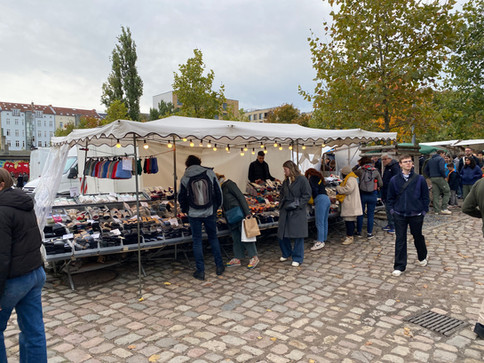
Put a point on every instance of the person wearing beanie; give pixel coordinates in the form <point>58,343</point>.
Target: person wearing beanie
<point>349,198</point>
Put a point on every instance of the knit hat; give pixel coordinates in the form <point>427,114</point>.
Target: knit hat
<point>346,170</point>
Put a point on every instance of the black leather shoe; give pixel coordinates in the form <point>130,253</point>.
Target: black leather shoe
<point>220,270</point>
<point>199,275</point>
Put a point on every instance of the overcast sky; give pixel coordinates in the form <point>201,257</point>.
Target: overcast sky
<point>57,51</point>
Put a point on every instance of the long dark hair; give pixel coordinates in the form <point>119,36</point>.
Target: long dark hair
<point>472,165</point>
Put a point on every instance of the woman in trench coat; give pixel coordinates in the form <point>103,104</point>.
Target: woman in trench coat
<point>293,221</point>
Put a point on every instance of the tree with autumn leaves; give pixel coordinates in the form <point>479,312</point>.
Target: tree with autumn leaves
<point>379,68</point>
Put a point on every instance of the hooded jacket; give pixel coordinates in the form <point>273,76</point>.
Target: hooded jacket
<point>20,238</point>
<point>183,194</point>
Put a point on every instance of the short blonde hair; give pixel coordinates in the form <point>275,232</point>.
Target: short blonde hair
<point>293,170</point>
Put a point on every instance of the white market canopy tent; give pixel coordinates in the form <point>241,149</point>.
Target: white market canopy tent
<point>233,133</point>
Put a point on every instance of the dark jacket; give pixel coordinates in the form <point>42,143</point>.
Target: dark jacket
<point>454,180</point>
<point>415,198</point>
<point>20,238</point>
<point>469,176</point>
<point>233,197</point>
<point>294,224</point>
<point>435,167</point>
<point>317,186</point>
<point>474,202</point>
<point>461,164</point>
<point>391,169</point>
<point>259,170</point>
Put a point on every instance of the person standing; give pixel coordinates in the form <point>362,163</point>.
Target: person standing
<point>22,274</point>
<point>349,198</point>
<point>435,169</point>
<point>370,182</point>
<point>468,153</point>
<point>391,168</point>
<point>454,180</point>
<point>408,200</point>
<point>469,174</point>
<point>233,198</point>
<point>321,206</point>
<point>200,196</point>
<point>293,220</point>
<point>259,170</point>
<point>474,206</point>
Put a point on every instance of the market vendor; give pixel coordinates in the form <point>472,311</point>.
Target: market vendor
<point>259,170</point>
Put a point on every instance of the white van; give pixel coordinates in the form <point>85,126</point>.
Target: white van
<point>70,177</point>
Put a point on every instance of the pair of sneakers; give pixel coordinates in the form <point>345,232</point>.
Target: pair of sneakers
<point>389,229</point>
<point>422,263</point>
<point>235,262</point>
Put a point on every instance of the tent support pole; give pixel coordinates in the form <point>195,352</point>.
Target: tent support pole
<point>84,172</point>
<point>174,176</point>
<point>140,295</point>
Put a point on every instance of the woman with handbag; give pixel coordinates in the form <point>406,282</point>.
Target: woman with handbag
<point>236,209</point>
<point>293,221</point>
<point>321,203</point>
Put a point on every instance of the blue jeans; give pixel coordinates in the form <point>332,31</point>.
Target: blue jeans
<point>287,251</point>
<point>211,229</point>
<point>321,209</point>
<point>24,294</point>
<point>401,224</point>
<point>368,200</point>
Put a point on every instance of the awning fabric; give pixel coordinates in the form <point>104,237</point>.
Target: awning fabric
<point>233,133</point>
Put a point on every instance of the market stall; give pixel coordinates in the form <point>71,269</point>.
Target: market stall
<point>232,147</point>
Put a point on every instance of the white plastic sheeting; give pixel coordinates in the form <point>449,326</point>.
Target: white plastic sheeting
<point>46,190</point>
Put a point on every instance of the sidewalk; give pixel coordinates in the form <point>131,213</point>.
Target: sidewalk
<point>341,305</point>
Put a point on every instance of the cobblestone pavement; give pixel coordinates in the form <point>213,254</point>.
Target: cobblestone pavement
<point>341,305</point>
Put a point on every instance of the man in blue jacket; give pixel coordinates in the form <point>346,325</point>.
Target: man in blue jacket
<point>435,170</point>
<point>408,200</point>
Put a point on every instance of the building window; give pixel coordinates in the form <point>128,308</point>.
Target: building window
<point>9,143</point>
<point>16,133</point>
<point>23,123</point>
<point>60,124</point>
<point>45,133</point>
<point>39,133</point>
<point>38,114</point>
<point>8,132</point>
<point>15,112</point>
<point>8,121</point>
<point>51,134</point>
<point>17,143</point>
<point>23,133</point>
<point>224,106</point>
<point>45,123</point>
<point>23,144</point>
<point>260,116</point>
<point>50,123</point>
<point>39,123</point>
<point>16,121</point>
<point>39,143</point>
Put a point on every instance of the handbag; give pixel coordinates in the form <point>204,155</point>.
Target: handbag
<point>243,236</point>
<point>251,227</point>
<point>234,215</point>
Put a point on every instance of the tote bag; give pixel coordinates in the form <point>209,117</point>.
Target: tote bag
<point>251,227</point>
<point>243,236</point>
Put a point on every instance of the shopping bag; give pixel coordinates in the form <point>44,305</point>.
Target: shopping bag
<point>243,236</point>
<point>251,227</point>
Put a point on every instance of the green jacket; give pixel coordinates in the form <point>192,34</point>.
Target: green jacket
<point>233,197</point>
<point>474,202</point>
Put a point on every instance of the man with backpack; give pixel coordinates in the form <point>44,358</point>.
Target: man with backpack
<point>408,200</point>
<point>200,196</point>
<point>370,181</point>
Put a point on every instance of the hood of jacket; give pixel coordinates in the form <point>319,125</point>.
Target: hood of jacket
<point>16,198</point>
<point>195,170</point>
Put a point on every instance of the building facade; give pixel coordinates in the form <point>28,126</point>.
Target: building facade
<point>25,126</point>
<point>258,115</point>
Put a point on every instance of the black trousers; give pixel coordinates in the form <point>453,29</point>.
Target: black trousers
<point>401,224</point>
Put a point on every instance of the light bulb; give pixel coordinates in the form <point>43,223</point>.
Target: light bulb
<point>280,147</point>
<point>261,145</point>
<point>184,139</point>
<point>170,145</point>
<point>253,151</point>
<point>304,147</point>
<point>118,145</point>
<point>290,147</point>
<point>215,147</point>
<point>265,150</point>
<point>191,143</point>
<point>145,145</point>
<point>242,152</point>
<point>245,148</point>
<point>275,144</point>
<point>209,144</point>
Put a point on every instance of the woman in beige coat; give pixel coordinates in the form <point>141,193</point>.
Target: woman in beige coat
<point>349,198</point>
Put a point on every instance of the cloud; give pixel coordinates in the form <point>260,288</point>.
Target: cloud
<point>58,51</point>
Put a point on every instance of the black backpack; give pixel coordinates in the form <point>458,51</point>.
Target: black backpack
<point>200,191</point>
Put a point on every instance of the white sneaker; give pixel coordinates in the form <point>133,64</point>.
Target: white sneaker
<point>424,261</point>
<point>317,246</point>
<point>282,259</point>
<point>446,212</point>
<point>295,264</point>
<point>397,273</point>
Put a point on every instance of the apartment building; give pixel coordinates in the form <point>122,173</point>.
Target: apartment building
<point>170,96</point>
<point>258,115</point>
<point>25,126</point>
